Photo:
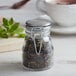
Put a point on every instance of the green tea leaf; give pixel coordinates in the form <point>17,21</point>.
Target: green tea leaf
<point>0,29</point>
<point>11,21</point>
<point>5,23</point>
<point>14,27</point>
<point>11,29</point>
<point>21,35</point>
<point>3,34</point>
<point>19,30</point>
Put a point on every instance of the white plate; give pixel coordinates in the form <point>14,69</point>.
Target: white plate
<point>61,30</point>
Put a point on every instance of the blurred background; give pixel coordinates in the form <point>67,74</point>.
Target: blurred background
<point>27,11</point>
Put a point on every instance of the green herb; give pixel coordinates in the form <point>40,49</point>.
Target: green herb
<point>10,28</point>
<point>11,21</point>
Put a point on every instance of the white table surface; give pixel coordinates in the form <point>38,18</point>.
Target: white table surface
<point>64,50</point>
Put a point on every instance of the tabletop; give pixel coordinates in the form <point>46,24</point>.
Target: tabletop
<point>64,49</point>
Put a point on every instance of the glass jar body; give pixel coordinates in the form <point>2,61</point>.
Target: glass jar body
<point>42,59</point>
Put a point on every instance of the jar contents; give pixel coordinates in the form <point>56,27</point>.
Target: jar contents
<point>34,61</point>
<point>38,50</point>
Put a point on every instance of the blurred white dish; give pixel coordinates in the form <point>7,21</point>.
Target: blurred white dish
<point>62,14</point>
<point>60,29</point>
<point>64,30</point>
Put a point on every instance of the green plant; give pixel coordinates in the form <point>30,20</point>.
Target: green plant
<point>10,28</point>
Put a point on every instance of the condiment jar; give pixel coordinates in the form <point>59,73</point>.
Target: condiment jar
<point>38,49</point>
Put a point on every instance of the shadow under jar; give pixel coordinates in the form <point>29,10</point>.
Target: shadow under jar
<point>38,49</point>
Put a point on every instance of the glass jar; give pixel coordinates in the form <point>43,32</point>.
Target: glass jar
<point>38,49</point>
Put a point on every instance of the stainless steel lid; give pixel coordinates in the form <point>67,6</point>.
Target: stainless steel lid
<point>38,24</point>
